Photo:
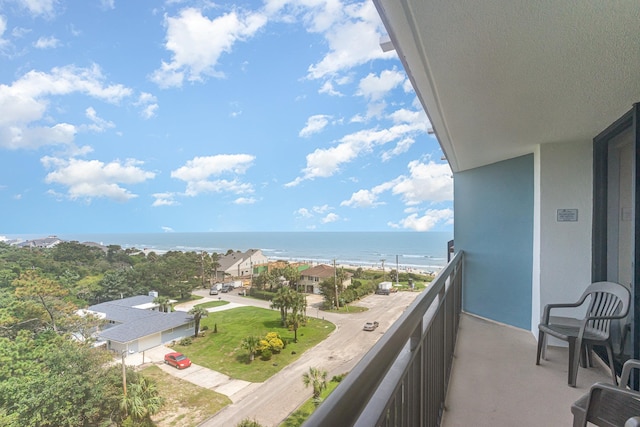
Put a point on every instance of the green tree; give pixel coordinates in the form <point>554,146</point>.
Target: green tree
<point>198,313</point>
<point>317,379</point>
<point>251,344</point>
<point>43,293</point>
<point>47,380</point>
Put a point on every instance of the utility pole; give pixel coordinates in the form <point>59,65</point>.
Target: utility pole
<point>335,283</point>
<point>397,271</point>
<point>124,373</point>
<point>383,269</point>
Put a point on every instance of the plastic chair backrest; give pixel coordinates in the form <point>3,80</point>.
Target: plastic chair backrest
<point>608,299</point>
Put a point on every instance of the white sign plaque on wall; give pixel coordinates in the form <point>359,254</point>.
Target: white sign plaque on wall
<point>567,215</point>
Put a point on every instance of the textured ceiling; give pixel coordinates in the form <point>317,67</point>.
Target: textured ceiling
<point>499,77</point>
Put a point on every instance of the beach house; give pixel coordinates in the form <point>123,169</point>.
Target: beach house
<point>239,264</point>
<point>535,107</point>
<point>311,278</point>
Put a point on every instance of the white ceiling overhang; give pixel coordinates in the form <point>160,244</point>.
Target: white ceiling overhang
<point>499,77</point>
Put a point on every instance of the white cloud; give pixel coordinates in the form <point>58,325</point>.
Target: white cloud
<point>98,124</point>
<point>325,162</point>
<point>426,222</point>
<point>197,172</point>
<point>39,7</point>
<point>164,199</point>
<point>25,104</point>
<point>331,217</point>
<point>322,209</point>
<point>375,87</point>
<point>401,147</point>
<point>362,199</point>
<point>352,32</point>
<point>166,229</point>
<point>304,213</point>
<point>314,125</point>
<point>47,43</point>
<point>244,201</point>
<point>148,103</point>
<point>204,167</point>
<point>87,179</point>
<point>197,42</point>
<point>427,182</point>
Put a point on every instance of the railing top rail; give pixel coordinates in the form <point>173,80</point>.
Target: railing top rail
<point>344,404</point>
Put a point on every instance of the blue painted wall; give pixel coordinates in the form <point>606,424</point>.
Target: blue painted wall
<point>493,208</point>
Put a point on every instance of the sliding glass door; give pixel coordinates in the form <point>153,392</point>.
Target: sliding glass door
<point>616,221</point>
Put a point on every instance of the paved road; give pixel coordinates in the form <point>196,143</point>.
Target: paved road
<point>269,403</point>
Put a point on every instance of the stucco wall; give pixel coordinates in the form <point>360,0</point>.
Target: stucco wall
<point>565,181</point>
<point>494,208</point>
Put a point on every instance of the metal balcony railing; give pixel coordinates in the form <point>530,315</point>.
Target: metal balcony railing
<point>402,381</point>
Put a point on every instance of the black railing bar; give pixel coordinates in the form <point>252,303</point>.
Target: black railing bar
<point>379,402</point>
<point>342,406</point>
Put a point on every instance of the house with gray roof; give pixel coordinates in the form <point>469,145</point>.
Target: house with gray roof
<point>136,324</point>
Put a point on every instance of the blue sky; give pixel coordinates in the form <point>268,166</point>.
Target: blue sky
<point>136,116</point>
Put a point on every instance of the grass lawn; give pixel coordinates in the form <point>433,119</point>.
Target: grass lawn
<point>222,351</point>
<point>186,404</point>
<point>348,309</point>
<point>212,304</point>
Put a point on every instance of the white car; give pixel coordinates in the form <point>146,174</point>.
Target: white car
<point>370,326</point>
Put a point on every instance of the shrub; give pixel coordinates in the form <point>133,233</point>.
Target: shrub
<point>204,328</point>
<point>248,423</point>
<point>266,354</point>
<point>271,342</point>
<point>186,341</point>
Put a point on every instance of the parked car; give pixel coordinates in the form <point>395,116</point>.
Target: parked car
<point>177,360</point>
<point>226,289</point>
<point>370,326</point>
<point>213,291</point>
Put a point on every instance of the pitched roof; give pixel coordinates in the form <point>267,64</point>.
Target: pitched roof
<point>322,271</point>
<point>135,323</point>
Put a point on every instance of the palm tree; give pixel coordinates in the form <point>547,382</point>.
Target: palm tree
<point>198,313</point>
<point>215,264</point>
<point>318,380</point>
<point>294,321</point>
<point>141,401</point>
<point>163,303</point>
<point>251,344</point>
<point>283,301</point>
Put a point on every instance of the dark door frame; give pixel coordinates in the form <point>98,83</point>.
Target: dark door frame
<point>599,236</point>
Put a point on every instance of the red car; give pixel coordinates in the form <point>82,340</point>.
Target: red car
<point>177,360</point>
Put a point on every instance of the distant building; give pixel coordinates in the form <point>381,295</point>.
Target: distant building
<point>240,264</point>
<point>46,243</point>
<point>311,278</point>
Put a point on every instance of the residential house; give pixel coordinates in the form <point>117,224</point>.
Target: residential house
<point>239,264</point>
<point>534,105</point>
<point>311,278</point>
<point>45,242</point>
<point>135,324</point>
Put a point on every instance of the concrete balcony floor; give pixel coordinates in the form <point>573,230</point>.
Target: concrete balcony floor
<point>495,381</point>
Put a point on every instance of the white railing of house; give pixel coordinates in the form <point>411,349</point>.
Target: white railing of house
<point>402,381</point>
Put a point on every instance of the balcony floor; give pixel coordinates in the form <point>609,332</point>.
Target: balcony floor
<point>495,381</point>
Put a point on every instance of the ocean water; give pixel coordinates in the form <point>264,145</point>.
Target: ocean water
<point>424,251</point>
